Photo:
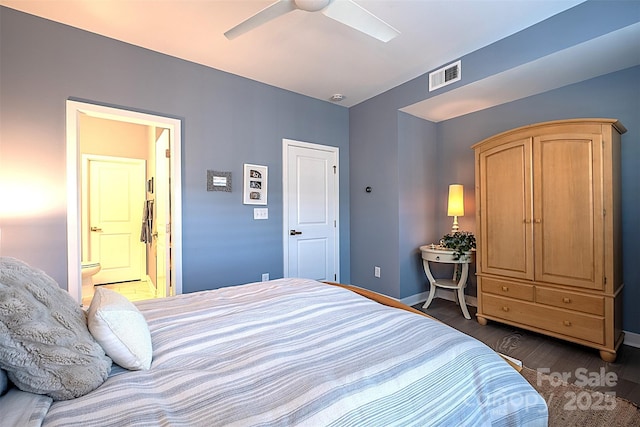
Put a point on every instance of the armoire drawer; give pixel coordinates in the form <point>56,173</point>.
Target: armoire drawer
<point>577,325</point>
<point>507,289</point>
<point>570,300</point>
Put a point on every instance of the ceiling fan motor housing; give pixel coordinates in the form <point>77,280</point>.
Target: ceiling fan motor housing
<point>312,5</point>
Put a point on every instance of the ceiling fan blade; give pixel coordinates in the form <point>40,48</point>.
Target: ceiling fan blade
<point>270,12</point>
<point>355,16</point>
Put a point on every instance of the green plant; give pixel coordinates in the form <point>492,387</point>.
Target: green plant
<point>460,242</point>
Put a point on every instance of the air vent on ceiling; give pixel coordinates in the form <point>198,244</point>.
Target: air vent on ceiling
<point>445,76</point>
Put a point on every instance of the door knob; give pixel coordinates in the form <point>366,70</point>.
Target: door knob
<point>294,232</point>
<point>96,229</point>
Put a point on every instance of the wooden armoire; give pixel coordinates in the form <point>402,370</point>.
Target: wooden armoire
<point>549,250</point>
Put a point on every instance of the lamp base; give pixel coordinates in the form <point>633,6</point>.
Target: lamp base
<point>455,228</point>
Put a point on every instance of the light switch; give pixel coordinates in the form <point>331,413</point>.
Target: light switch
<point>260,213</point>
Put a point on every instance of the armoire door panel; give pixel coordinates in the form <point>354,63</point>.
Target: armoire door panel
<point>567,210</point>
<point>506,205</point>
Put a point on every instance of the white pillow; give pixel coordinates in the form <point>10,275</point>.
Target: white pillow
<point>120,329</point>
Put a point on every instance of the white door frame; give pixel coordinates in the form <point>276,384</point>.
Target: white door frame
<point>286,143</point>
<point>74,110</point>
<point>163,170</point>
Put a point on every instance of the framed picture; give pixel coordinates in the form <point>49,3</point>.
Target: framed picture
<point>255,184</point>
<point>218,181</point>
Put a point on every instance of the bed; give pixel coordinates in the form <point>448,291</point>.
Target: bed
<point>295,352</point>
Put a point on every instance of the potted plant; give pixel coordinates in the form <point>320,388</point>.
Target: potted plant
<point>460,241</point>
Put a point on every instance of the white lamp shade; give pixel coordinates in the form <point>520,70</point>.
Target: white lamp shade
<point>455,207</point>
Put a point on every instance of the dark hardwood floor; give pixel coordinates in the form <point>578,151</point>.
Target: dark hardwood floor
<point>578,363</point>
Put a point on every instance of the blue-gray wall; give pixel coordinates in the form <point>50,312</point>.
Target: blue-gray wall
<point>418,212</point>
<point>227,121</point>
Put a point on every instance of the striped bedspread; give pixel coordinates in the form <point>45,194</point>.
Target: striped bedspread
<point>299,352</point>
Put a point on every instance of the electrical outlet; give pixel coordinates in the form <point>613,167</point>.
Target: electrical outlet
<point>265,277</point>
<point>376,271</point>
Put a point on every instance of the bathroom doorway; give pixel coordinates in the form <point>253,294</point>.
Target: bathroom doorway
<point>95,131</point>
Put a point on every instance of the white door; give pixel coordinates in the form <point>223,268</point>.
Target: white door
<point>116,202</point>
<point>310,181</point>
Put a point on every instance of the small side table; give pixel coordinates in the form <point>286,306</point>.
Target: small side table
<point>433,253</point>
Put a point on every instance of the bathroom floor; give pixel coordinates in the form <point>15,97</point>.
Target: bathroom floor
<point>133,291</point>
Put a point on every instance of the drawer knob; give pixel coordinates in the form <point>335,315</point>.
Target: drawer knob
<point>438,258</point>
<point>567,323</point>
<point>505,289</point>
<point>566,300</point>
<point>505,308</point>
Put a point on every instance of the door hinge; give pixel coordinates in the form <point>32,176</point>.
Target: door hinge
<point>605,280</point>
<point>335,168</point>
<point>335,277</point>
<point>167,153</point>
<point>604,212</point>
<point>334,223</point>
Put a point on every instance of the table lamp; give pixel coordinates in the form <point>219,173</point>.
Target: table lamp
<point>455,206</point>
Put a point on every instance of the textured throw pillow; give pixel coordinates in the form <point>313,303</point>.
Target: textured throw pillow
<point>121,329</point>
<point>45,345</point>
<point>4,382</point>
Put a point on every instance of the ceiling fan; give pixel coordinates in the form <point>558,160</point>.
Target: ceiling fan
<point>344,11</point>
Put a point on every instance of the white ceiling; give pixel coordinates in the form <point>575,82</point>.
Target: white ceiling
<point>307,53</point>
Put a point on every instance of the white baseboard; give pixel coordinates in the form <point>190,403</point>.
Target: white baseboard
<point>631,339</point>
<point>445,294</point>
<point>415,299</point>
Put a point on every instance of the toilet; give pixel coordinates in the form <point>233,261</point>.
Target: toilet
<point>89,269</point>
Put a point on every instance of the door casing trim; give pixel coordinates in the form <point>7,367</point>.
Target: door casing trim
<point>73,111</point>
